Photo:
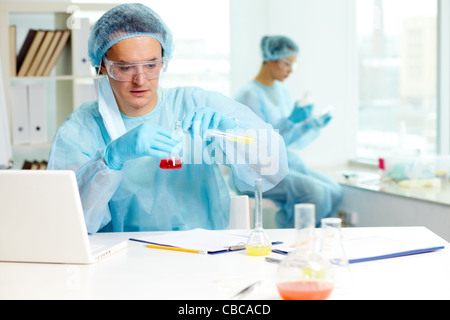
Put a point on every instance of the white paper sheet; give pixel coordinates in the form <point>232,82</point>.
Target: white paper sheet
<point>197,239</point>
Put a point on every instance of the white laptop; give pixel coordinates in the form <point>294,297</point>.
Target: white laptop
<point>41,220</point>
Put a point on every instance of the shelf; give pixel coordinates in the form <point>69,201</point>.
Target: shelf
<point>37,146</point>
<point>64,91</point>
<point>67,7</point>
<point>50,78</point>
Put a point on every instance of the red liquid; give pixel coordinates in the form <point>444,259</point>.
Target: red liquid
<point>170,163</point>
<point>305,290</point>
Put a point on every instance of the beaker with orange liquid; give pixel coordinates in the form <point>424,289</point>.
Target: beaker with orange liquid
<point>304,274</point>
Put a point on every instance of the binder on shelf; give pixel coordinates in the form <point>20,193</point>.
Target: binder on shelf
<point>80,36</point>
<point>30,54</point>
<point>37,61</point>
<point>57,52</point>
<point>37,113</point>
<point>49,53</point>
<point>24,49</point>
<point>19,114</point>
<point>34,165</point>
<point>12,51</point>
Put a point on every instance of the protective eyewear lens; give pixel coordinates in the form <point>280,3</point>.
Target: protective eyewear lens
<point>128,71</point>
<point>284,63</point>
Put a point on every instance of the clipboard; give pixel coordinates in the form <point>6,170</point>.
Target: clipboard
<point>199,240</point>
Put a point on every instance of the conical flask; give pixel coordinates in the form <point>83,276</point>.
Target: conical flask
<point>304,274</point>
<point>258,243</point>
<point>332,249</point>
<point>173,161</point>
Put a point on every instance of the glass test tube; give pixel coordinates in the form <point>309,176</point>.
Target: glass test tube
<point>230,136</point>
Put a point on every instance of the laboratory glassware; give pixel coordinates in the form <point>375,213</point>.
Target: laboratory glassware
<point>258,243</point>
<point>230,136</point>
<point>174,160</point>
<point>304,274</point>
<point>332,248</point>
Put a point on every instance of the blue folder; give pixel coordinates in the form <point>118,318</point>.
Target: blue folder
<point>386,256</point>
<point>397,254</point>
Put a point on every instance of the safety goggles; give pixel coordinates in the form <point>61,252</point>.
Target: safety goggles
<point>287,64</point>
<point>128,71</point>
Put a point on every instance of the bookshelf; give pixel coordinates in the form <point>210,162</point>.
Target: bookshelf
<point>65,86</point>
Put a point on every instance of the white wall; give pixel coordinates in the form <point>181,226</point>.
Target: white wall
<point>249,21</point>
<point>324,30</point>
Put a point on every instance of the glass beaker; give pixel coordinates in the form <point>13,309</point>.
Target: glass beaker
<point>304,274</point>
<point>332,249</point>
<point>258,243</point>
<point>173,161</point>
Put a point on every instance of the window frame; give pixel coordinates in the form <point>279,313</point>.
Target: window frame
<point>443,92</point>
<point>443,85</point>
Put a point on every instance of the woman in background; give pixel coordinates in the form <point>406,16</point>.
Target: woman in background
<point>269,98</point>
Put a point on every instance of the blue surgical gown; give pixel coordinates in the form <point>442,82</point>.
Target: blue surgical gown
<point>302,184</point>
<point>143,197</point>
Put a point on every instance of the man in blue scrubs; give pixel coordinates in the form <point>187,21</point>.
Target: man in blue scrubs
<point>115,144</point>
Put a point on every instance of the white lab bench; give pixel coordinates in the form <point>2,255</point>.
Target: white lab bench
<point>138,272</point>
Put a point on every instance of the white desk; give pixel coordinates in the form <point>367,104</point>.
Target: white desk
<point>138,272</point>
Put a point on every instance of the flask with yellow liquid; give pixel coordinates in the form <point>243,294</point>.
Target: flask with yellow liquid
<point>258,243</point>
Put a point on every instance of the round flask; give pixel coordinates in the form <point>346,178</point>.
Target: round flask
<point>304,274</point>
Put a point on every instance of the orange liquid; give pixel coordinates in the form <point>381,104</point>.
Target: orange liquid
<point>305,290</point>
<point>169,163</point>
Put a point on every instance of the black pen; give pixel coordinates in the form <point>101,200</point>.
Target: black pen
<point>273,260</point>
<point>236,247</point>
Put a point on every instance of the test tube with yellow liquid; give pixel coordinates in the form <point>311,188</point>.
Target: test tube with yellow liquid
<point>258,243</point>
<point>230,136</point>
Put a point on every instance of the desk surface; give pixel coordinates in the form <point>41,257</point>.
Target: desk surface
<point>138,272</point>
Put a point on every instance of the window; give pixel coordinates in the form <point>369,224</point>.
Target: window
<point>200,30</point>
<point>202,48</point>
<point>398,54</point>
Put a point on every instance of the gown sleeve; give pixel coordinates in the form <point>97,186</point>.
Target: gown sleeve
<point>77,146</point>
<point>266,158</point>
<point>274,105</point>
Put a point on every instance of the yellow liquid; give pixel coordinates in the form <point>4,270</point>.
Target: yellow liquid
<point>231,137</point>
<point>244,139</point>
<point>258,250</point>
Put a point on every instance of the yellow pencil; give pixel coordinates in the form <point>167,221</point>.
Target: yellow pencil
<point>153,246</point>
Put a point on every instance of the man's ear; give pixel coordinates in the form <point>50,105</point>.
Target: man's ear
<point>102,69</point>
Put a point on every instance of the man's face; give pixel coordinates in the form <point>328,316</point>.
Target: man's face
<point>138,96</point>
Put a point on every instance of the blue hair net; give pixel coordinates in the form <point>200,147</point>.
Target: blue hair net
<point>127,21</point>
<point>278,47</point>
